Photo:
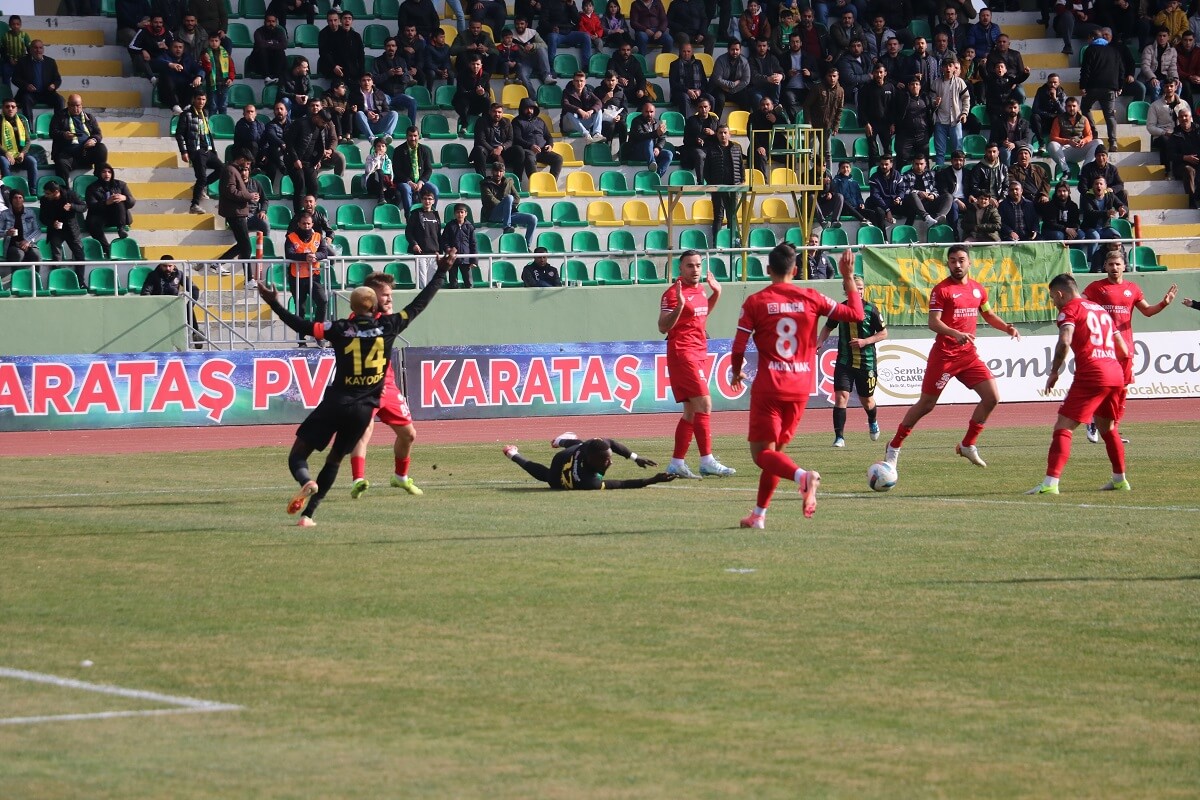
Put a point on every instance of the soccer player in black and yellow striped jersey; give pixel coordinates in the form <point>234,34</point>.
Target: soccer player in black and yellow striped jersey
<point>855,366</point>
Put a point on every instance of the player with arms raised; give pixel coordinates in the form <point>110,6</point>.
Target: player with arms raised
<point>783,319</point>
<point>393,412</point>
<point>362,347</point>
<point>1098,389</point>
<point>683,315</point>
<point>1119,298</point>
<point>582,464</point>
<point>955,305</point>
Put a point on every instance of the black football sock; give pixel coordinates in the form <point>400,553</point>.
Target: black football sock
<point>839,421</point>
<point>872,414</point>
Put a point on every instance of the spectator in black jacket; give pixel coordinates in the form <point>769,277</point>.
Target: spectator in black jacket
<point>393,75</point>
<point>1049,103</point>
<point>699,134</point>
<point>148,44</point>
<point>472,94</point>
<point>648,140</point>
<point>412,166</point>
<point>304,150</point>
<point>196,147</point>
<point>295,9</point>
<point>37,80</point>
<point>166,279</point>
<point>532,143</point>
<point>1018,216</point>
<point>179,75</point>
<point>77,139</point>
<point>249,132</point>
<point>912,121</point>
<point>876,101</point>
<point>724,167</point>
<point>629,74</point>
<point>60,212</point>
<point>687,22</point>
<point>763,119</point>
<point>1060,216</point>
<point>1105,72</point>
<point>422,14</point>
<point>1102,165</point>
<point>493,140</point>
<point>458,240</point>
<point>766,75</point>
<point>272,154</point>
<point>540,272</point>
<point>296,87</point>
<point>108,206</point>
<point>269,55</point>
<point>1010,131</point>
<point>689,81</point>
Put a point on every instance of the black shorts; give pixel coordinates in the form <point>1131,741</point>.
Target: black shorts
<point>861,380</point>
<point>346,421</point>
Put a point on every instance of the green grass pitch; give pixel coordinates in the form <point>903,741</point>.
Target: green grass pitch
<point>952,638</point>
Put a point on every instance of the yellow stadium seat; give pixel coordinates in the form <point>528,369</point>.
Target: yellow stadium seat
<point>702,211</point>
<point>600,213</point>
<point>679,214</point>
<point>450,31</point>
<point>774,209</point>
<point>567,152</point>
<point>738,122</point>
<point>663,62</point>
<point>635,212</point>
<point>543,184</point>
<point>581,184</point>
<point>708,62</point>
<point>755,177</point>
<point>782,176</point>
<point>512,94</point>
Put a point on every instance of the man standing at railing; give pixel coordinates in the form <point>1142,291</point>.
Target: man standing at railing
<point>305,249</point>
<point>724,167</point>
<point>682,316</point>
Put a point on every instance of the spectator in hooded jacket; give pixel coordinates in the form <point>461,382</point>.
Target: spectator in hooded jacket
<point>532,143</point>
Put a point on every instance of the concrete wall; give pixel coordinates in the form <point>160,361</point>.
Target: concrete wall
<point>45,326</point>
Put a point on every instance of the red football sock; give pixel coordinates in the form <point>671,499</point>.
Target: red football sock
<point>683,438</point>
<point>402,466</point>
<point>1060,451</point>
<point>902,433</point>
<point>973,430</point>
<point>1115,448</point>
<point>358,467</point>
<point>778,464</point>
<point>766,488</point>
<point>702,425</point>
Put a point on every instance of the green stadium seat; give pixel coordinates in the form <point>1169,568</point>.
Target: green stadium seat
<point>435,126</point>
<point>656,239</point>
<point>356,7</point>
<point>375,36</point>
<point>252,9</point>
<point>693,239</point>
<point>125,250</point>
<point>549,96</point>
<point>849,121</point>
<point>585,242</point>
<point>455,156</point>
<point>353,156</point>
<point>564,214</point>
<point>239,36</point>
<point>356,273</point>
<point>674,122</point>
<point>442,182</point>
<point>17,183</point>
<point>102,281</point>
<point>940,234</point>
<point>646,272</point>
<point>869,234</point>
<point>279,217</point>
<point>513,243</point>
<point>552,241</point>
<point>612,183</point>
<point>1137,111</point>
<point>483,243</point>
<point>1144,259</point>
<point>837,149</point>
<point>63,282</point>
<point>399,244</point>
<point>645,182</point>
<point>469,185</point>
<point>599,154</point>
<point>565,65</point>
<point>239,96</point>
<point>1079,262</point>
<point>351,218</point>
<point>905,234</point>
<point>598,65</point>
<point>401,275</point>
<point>388,217</point>
<point>386,9</point>
<point>222,126</point>
<point>1122,227</point>
<point>305,36</point>
<point>974,145</point>
<point>421,96</point>
<point>443,98</point>
<point>621,242</point>
<point>26,283</point>
<point>576,272</point>
<point>372,244</point>
<point>504,274</point>
<point>609,273</point>
<point>137,278</point>
<point>265,188</point>
<point>762,237</point>
<point>331,187</point>
<point>717,268</point>
<point>92,250</point>
<point>834,237</point>
<point>681,177</point>
<point>41,126</point>
<point>754,269</point>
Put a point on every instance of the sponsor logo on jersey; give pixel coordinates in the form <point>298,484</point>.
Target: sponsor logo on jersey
<point>786,308</point>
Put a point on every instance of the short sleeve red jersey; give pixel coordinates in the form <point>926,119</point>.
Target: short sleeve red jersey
<point>1118,299</point>
<point>1092,343</point>
<point>959,305</point>
<point>783,320</point>
<point>687,338</point>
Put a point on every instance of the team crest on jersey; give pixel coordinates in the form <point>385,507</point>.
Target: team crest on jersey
<point>975,294</point>
<point>1128,293</point>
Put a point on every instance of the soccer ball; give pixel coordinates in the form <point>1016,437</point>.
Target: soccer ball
<point>881,476</point>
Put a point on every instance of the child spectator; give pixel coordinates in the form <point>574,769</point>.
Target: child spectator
<point>378,173</point>
<point>616,29</point>
<point>219,73</point>
<point>13,47</point>
<point>981,221</point>
<point>591,24</point>
<point>458,239</point>
<point>508,60</point>
<point>435,60</point>
<point>424,236</point>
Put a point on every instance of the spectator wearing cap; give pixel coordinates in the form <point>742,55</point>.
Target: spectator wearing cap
<point>1102,165</point>
<point>166,280</point>
<point>1035,184</point>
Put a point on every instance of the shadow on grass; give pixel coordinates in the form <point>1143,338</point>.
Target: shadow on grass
<point>1075,579</point>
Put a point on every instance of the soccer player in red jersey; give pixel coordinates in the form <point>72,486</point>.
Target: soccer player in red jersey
<point>1098,389</point>
<point>682,316</point>
<point>1119,298</point>
<point>783,320</point>
<point>955,305</point>
<point>393,412</point>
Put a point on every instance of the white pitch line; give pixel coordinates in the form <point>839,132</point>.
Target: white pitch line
<point>187,703</point>
<point>157,712</point>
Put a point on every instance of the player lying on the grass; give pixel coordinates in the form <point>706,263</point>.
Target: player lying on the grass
<point>1097,391</point>
<point>1119,297</point>
<point>582,464</point>
<point>393,412</point>
<point>855,365</point>
<point>362,346</point>
<point>783,320</point>
<point>955,305</point>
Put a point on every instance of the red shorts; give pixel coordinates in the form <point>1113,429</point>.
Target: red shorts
<point>968,368</point>
<point>687,378</point>
<point>1085,402</point>
<point>774,420</point>
<point>393,408</point>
